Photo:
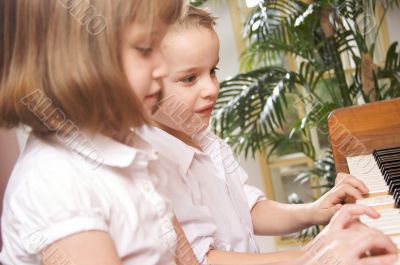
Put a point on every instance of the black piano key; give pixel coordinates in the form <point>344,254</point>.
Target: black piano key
<point>395,185</point>
<point>383,158</point>
<point>380,160</point>
<point>381,151</point>
<point>390,168</point>
<point>396,197</point>
<point>382,155</point>
<point>393,178</point>
<point>389,161</point>
<point>388,165</point>
<point>389,174</point>
<point>397,203</point>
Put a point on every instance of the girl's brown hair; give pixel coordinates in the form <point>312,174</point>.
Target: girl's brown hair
<point>60,60</point>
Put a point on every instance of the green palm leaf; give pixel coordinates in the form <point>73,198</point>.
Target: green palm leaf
<point>251,107</point>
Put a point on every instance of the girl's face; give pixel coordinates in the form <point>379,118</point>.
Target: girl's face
<point>192,56</point>
<point>143,62</point>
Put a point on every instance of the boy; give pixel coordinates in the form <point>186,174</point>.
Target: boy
<point>219,212</point>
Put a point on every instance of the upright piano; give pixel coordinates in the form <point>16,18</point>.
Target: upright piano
<point>366,143</point>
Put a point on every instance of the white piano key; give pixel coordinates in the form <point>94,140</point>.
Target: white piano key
<point>370,174</point>
<point>365,168</point>
<point>389,230</point>
<point>378,190</point>
<point>396,241</point>
<point>388,223</point>
<point>377,201</point>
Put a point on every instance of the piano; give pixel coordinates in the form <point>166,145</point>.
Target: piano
<point>366,143</point>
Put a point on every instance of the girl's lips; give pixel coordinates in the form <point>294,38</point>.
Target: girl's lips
<point>152,99</point>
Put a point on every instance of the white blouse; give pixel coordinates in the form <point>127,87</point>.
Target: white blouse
<point>61,187</point>
<point>210,197</point>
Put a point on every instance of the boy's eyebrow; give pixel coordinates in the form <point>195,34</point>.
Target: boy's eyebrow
<point>188,70</point>
<point>191,69</point>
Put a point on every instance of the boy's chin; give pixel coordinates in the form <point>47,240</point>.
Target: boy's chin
<point>188,124</point>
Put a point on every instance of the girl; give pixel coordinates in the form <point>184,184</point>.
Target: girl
<point>81,75</point>
<point>219,212</point>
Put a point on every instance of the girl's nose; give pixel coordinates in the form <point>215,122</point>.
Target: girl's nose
<point>161,70</point>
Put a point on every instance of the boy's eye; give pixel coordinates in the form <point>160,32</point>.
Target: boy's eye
<point>189,79</point>
<point>144,50</point>
<point>214,70</point>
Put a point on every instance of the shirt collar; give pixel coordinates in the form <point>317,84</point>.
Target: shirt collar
<point>212,146</point>
<point>98,149</point>
<point>169,146</point>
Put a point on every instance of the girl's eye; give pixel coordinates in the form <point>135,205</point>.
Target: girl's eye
<point>144,50</point>
<point>214,70</point>
<point>189,79</point>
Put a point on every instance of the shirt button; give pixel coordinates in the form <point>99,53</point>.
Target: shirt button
<point>147,186</point>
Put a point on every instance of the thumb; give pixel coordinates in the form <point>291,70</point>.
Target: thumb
<point>389,259</point>
<point>332,211</point>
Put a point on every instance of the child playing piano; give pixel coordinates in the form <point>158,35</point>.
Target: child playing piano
<point>219,212</point>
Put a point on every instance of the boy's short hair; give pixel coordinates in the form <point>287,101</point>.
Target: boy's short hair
<point>196,17</point>
<point>62,58</point>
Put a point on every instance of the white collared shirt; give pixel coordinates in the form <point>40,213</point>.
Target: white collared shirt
<point>210,197</point>
<point>59,188</point>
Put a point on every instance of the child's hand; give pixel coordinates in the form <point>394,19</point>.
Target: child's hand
<point>346,241</point>
<point>325,207</point>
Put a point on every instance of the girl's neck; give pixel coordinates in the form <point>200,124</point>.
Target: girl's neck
<point>180,135</point>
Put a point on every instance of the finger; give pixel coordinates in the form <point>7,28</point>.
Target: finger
<point>348,213</point>
<point>349,179</point>
<point>339,177</point>
<point>389,259</point>
<point>332,211</point>
<point>340,192</point>
<point>358,226</point>
<point>374,241</point>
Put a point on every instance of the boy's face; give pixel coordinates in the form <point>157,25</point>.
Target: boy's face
<point>192,56</point>
<point>143,62</point>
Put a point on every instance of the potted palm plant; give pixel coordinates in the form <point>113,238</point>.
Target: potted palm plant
<point>335,49</point>
<point>324,37</point>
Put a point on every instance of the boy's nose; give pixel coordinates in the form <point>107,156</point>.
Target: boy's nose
<point>211,89</point>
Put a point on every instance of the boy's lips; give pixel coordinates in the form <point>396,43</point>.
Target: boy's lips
<point>206,111</point>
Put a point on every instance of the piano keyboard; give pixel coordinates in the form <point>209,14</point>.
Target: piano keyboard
<point>380,172</point>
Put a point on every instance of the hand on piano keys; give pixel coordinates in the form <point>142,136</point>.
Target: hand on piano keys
<point>380,172</point>
<point>325,207</point>
<point>346,241</point>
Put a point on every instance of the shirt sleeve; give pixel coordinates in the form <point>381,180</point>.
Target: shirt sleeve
<point>253,194</point>
<point>53,203</point>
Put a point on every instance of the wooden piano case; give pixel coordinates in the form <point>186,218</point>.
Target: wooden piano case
<point>358,130</point>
